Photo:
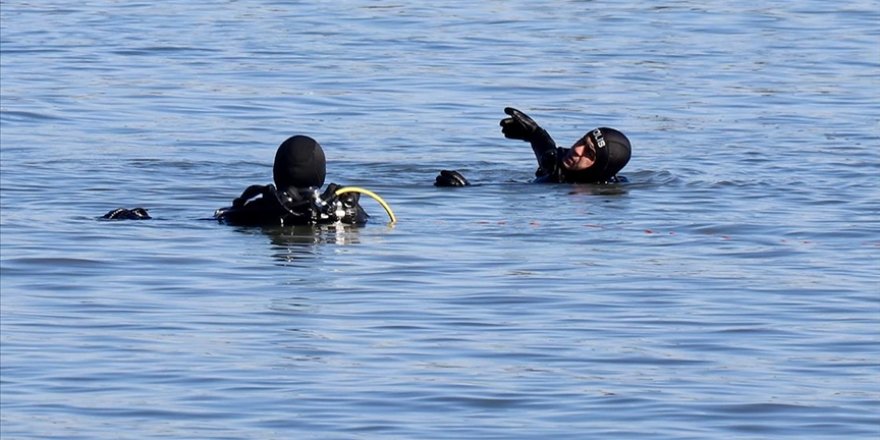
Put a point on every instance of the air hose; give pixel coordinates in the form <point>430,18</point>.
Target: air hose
<point>374,196</point>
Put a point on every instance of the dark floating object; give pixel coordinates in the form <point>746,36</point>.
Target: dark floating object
<point>127,214</point>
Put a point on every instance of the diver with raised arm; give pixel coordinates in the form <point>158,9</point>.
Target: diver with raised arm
<point>596,157</point>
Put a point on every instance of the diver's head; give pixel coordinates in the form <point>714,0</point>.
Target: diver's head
<point>299,163</point>
<point>597,156</point>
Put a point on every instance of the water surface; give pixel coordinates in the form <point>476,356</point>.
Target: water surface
<point>728,291</point>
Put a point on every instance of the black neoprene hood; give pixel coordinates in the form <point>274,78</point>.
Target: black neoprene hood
<point>299,163</point>
<point>613,151</point>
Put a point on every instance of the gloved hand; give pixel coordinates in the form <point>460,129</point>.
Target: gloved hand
<point>329,195</point>
<point>450,178</point>
<point>520,126</point>
<point>127,214</point>
<point>349,202</point>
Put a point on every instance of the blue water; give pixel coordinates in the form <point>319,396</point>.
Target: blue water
<point>729,291</point>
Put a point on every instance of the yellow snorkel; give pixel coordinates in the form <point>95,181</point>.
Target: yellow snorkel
<point>374,196</point>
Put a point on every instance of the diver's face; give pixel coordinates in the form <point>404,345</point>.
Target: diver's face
<point>580,156</point>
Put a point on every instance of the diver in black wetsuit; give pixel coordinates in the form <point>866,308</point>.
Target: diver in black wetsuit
<point>295,198</point>
<point>594,158</point>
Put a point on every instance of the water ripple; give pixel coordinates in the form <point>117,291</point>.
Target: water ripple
<point>728,290</point>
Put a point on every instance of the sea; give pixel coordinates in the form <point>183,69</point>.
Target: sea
<point>729,290</point>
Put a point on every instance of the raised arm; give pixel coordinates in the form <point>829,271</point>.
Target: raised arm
<point>520,126</point>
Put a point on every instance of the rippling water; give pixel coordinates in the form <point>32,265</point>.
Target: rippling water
<point>729,291</point>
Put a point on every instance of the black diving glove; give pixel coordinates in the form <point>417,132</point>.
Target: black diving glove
<point>450,178</point>
<point>327,201</point>
<point>127,214</point>
<point>520,126</point>
<point>329,196</point>
<point>341,207</point>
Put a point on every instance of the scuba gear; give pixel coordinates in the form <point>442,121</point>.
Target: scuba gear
<point>374,196</point>
<point>303,206</point>
<point>306,206</point>
<point>296,206</point>
<point>336,204</point>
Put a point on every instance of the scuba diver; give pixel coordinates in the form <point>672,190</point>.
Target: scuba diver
<point>594,158</point>
<point>295,198</point>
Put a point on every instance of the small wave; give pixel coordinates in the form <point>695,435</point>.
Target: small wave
<point>22,116</point>
<point>161,50</point>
